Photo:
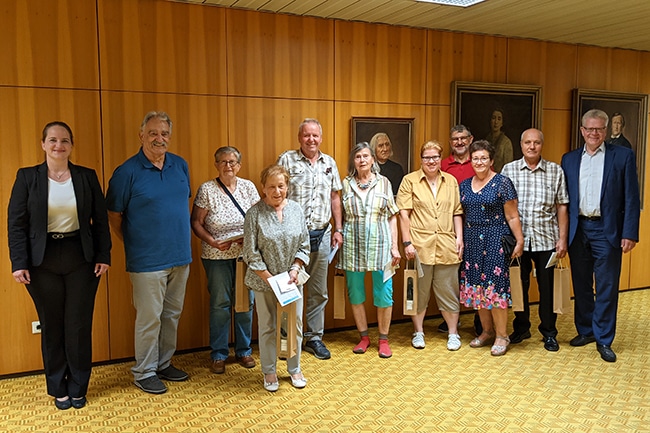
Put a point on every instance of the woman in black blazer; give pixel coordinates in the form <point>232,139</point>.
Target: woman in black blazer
<point>59,245</point>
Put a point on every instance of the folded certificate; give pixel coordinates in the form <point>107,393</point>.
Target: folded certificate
<point>552,261</point>
<point>389,270</point>
<point>285,292</point>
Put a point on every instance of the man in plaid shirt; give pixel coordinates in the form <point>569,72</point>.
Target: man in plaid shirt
<point>543,210</point>
<point>315,184</point>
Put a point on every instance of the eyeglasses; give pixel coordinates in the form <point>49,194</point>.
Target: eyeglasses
<point>592,130</point>
<point>463,138</point>
<point>433,158</point>
<point>229,163</point>
<point>482,160</point>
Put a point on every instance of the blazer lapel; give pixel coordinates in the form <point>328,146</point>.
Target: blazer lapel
<point>607,169</point>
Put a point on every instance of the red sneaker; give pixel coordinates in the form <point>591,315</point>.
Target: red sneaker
<point>384,349</point>
<point>363,345</point>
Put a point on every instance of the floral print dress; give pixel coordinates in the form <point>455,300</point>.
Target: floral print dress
<point>485,270</point>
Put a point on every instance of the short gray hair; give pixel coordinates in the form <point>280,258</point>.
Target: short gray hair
<point>227,150</point>
<point>156,114</point>
<point>310,120</point>
<point>595,113</point>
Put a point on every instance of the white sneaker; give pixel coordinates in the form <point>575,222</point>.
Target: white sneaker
<point>453,342</point>
<point>418,340</point>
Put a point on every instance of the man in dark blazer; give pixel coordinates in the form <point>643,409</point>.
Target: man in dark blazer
<point>604,210</point>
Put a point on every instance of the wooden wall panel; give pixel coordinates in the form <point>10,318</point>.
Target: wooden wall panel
<point>277,55</point>
<point>161,46</point>
<point>23,114</point>
<point>263,128</point>
<point>196,134</point>
<point>380,63</point>
<point>548,64</point>
<point>462,57</point>
<point>609,69</point>
<point>49,43</point>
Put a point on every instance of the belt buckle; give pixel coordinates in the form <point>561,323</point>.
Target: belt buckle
<point>57,236</point>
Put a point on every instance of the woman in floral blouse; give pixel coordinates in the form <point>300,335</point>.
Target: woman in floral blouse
<point>219,223</point>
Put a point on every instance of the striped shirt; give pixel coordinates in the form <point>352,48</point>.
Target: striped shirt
<point>366,232</point>
<point>312,185</point>
<point>540,191</point>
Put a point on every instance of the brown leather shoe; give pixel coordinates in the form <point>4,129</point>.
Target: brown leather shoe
<point>246,361</point>
<point>218,366</point>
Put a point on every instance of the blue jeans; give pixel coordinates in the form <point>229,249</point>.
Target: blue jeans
<point>221,286</point>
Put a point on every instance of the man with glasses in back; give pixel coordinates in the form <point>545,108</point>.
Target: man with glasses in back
<point>604,210</point>
<point>459,165</point>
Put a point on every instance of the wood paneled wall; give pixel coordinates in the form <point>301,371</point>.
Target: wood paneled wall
<point>246,79</point>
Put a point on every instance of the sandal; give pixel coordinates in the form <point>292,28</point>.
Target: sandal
<point>477,342</point>
<point>498,349</point>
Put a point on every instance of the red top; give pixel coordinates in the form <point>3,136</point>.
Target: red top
<point>460,171</point>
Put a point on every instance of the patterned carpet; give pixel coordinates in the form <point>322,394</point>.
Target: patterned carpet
<point>430,390</point>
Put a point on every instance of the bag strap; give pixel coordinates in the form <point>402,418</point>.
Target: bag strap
<point>227,191</point>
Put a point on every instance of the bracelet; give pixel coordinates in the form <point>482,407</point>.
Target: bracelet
<point>294,267</point>
<point>406,244</point>
<point>339,231</point>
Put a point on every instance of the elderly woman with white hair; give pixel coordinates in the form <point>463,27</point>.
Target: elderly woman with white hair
<point>369,242</point>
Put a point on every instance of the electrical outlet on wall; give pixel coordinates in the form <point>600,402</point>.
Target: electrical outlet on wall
<point>36,327</point>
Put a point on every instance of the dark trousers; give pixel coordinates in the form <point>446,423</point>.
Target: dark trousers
<point>547,317</point>
<point>593,257</point>
<point>63,288</point>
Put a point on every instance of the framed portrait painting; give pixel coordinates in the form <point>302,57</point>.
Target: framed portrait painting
<point>628,121</point>
<point>399,131</point>
<point>498,113</point>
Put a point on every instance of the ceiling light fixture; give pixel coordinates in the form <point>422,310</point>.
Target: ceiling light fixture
<point>461,3</point>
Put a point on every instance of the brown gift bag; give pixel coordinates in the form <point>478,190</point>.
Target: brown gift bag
<point>516,289</point>
<point>286,321</point>
<point>242,298</point>
<point>561,288</point>
<point>410,290</point>
<point>339,295</point>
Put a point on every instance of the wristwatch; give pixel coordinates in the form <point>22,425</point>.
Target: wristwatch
<point>406,244</point>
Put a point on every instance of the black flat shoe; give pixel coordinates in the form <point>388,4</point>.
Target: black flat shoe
<point>63,405</point>
<point>606,353</point>
<point>582,340</point>
<point>78,403</point>
<point>518,338</point>
<point>550,344</point>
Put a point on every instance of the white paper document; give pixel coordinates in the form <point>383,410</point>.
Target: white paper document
<point>285,292</point>
<point>389,270</point>
<point>552,261</point>
<point>332,254</point>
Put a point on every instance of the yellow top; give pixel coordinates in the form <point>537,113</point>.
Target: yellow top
<point>431,219</point>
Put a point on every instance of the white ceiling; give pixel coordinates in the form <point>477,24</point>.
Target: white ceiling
<point>605,23</point>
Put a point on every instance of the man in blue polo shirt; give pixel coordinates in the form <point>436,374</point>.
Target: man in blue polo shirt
<point>148,203</point>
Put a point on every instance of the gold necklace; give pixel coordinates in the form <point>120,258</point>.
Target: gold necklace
<point>58,176</point>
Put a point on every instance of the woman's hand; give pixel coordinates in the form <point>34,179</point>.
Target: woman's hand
<point>222,245</point>
<point>394,251</point>
<point>518,250</point>
<point>100,269</point>
<point>22,276</point>
<point>409,252</point>
<point>293,276</point>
